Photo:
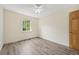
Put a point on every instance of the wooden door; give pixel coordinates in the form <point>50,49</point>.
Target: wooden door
<point>74,30</point>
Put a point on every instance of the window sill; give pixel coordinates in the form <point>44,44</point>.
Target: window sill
<point>27,31</point>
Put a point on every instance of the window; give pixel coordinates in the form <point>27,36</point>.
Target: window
<point>26,25</point>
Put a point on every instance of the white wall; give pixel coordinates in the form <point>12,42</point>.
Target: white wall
<point>13,27</point>
<point>55,27</point>
<point>1,27</point>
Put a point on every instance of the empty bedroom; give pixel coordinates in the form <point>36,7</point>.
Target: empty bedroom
<point>39,29</point>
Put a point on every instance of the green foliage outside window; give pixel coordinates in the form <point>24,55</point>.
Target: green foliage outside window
<point>26,25</point>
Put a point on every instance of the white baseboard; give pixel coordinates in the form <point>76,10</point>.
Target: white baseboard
<point>53,41</point>
<point>1,46</point>
<point>20,40</point>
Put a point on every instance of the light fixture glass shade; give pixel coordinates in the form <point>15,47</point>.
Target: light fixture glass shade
<point>37,8</point>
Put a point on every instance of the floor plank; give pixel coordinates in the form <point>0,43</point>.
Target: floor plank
<point>36,46</point>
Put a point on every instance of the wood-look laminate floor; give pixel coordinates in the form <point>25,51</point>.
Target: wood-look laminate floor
<point>36,46</point>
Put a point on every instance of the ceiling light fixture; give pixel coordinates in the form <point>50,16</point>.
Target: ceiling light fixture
<point>38,8</point>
